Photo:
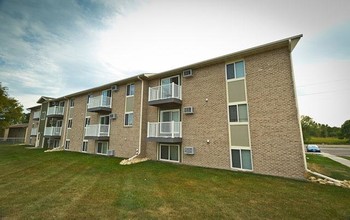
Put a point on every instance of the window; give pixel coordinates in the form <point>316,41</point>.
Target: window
<point>169,152</point>
<point>241,159</point>
<point>87,121</point>
<point>43,115</point>
<point>130,90</point>
<point>129,119</point>
<point>70,122</point>
<point>238,113</point>
<point>71,103</point>
<point>66,146</point>
<point>104,120</point>
<point>235,70</point>
<point>88,98</point>
<point>102,147</point>
<point>85,146</point>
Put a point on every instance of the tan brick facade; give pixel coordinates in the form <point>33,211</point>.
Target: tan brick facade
<point>274,137</point>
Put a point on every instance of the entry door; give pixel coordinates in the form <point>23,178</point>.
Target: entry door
<point>59,123</point>
<point>104,120</point>
<point>166,86</point>
<point>106,94</point>
<point>166,117</point>
<point>37,140</point>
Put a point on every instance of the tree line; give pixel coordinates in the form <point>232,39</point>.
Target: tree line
<point>313,129</point>
<point>11,111</point>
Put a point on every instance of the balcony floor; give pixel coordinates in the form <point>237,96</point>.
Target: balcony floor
<point>100,109</point>
<point>165,139</point>
<point>103,138</point>
<point>162,102</point>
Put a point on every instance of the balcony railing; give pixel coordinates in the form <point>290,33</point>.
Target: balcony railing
<point>52,131</point>
<point>55,110</point>
<point>34,132</point>
<point>36,115</point>
<point>170,129</point>
<point>98,130</point>
<point>99,102</point>
<point>168,91</point>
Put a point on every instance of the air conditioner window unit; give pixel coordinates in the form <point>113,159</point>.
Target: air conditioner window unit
<point>113,116</point>
<point>188,110</point>
<point>114,88</point>
<point>187,73</point>
<point>189,150</point>
<point>110,153</point>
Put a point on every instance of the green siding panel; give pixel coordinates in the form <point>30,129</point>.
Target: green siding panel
<point>129,105</point>
<point>236,91</point>
<point>239,135</point>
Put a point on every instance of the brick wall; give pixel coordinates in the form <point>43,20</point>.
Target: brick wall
<point>274,123</point>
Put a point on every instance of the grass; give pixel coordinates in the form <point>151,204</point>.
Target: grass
<point>327,167</point>
<point>67,185</point>
<point>327,140</point>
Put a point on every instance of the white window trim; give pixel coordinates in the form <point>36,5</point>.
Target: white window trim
<point>97,147</point>
<point>237,122</point>
<point>82,147</point>
<point>251,158</point>
<point>70,102</point>
<point>126,92</point>
<point>172,161</point>
<point>235,79</point>
<point>170,110</point>
<point>85,121</point>
<point>128,126</point>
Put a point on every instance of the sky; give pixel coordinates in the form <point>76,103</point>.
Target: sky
<point>53,48</point>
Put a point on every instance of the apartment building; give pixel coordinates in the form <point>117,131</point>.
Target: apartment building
<point>236,111</point>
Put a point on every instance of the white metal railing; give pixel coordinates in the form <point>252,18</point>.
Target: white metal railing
<point>52,131</point>
<point>169,129</point>
<point>55,110</point>
<point>98,130</point>
<point>36,115</point>
<point>34,131</point>
<point>99,101</point>
<point>165,92</point>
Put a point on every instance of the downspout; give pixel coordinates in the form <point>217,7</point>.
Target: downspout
<point>66,113</point>
<point>141,114</point>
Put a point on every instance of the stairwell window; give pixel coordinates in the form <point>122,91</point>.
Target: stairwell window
<point>238,113</point>
<point>70,123</point>
<point>130,90</point>
<point>71,103</point>
<point>235,70</point>
<point>85,146</point>
<point>129,119</point>
<point>241,159</point>
<point>66,146</point>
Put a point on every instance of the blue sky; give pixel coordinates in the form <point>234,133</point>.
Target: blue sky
<point>53,48</point>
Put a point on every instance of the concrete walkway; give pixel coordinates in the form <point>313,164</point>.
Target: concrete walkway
<point>337,159</point>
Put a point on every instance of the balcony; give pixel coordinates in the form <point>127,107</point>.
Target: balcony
<point>55,111</point>
<point>52,132</point>
<point>165,95</point>
<point>34,132</point>
<point>99,104</point>
<point>36,115</point>
<point>165,132</point>
<point>97,132</point>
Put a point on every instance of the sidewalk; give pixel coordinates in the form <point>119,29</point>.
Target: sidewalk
<point>337,159</point>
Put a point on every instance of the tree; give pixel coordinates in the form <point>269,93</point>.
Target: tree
<point>345,129</point>
<point>10,109</point>
<point>308,125</point>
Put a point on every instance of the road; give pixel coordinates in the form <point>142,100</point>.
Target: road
<point>339,150</point>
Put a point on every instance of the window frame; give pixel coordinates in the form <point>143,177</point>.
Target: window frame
<point>125,116</point>
<point>67,144</point>
<point>168,160</point>
<point>102,142</point>
<point>85,146</point>
<point>234,65</point>
<point>71,103</point>
<point>238,119</point>
<point>128,90</point>
<point>69,123</point>
<point>241,161</point>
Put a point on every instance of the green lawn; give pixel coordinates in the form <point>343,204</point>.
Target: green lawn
<point>66,185</point>
<point>327,167</point>
<point>328,140</point>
